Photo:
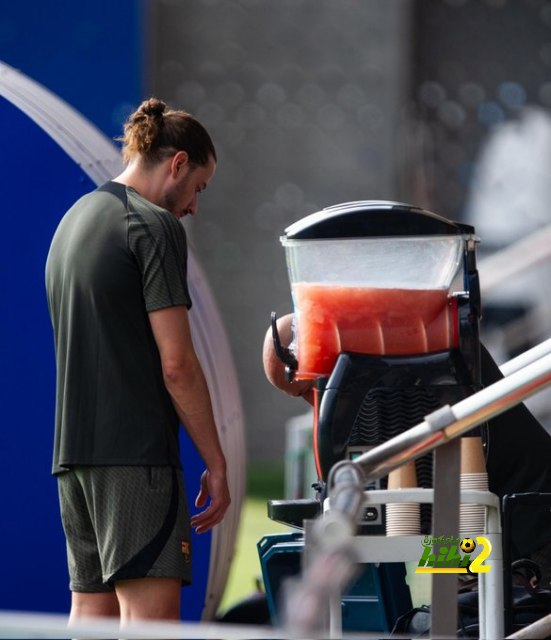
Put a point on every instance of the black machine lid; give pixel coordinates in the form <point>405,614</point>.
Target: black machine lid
<point>373,218</point>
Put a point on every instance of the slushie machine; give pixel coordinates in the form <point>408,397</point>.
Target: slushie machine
<point>386,304</point>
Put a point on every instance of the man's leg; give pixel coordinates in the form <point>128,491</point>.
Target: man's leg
<point>149,598</point>
<point>91,605</point>
<point>90,597</point>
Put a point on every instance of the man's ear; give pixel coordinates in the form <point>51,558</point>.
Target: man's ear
<point>179,163</point>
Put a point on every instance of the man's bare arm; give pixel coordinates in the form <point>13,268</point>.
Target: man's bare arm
<point>187,386</point>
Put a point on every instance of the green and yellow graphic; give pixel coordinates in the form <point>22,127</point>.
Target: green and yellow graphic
<point>443,555</point>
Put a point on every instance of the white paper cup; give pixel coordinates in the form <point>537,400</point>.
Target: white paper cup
<point>403,519</point>
<point>472,517</point>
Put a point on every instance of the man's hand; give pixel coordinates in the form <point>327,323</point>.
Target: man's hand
<point>214,485</point>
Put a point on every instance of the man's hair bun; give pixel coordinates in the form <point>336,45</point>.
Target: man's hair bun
<point>152,107</point>
<point>154,132</point>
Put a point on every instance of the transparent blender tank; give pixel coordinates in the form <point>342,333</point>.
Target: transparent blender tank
<point>373,277</point>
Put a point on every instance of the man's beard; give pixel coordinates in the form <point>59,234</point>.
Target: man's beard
<point>170,198</point>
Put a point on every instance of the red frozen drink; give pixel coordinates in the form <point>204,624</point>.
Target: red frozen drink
<point>332,319</point>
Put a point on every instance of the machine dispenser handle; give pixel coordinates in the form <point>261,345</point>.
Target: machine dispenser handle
<point>283,353</point>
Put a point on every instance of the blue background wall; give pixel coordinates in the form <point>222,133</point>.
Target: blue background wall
<point>91,53</point>
<point>45,182</point>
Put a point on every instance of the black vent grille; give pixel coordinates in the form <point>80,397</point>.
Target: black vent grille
<point>386,413</point>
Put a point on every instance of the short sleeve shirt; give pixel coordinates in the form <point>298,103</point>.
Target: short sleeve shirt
<point>114,258</point>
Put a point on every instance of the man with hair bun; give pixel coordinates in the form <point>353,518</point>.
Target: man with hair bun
<point>128,374</point>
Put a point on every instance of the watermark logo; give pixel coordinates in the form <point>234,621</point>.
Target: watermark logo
<point>453,555</point>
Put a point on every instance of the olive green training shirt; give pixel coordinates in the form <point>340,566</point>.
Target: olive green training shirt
<point>114,257</point>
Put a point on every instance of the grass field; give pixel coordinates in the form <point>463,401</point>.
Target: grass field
<point>263,483</point>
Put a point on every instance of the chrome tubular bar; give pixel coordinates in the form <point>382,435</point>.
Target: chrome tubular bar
<point>451,422</point>
<point>526,358</point>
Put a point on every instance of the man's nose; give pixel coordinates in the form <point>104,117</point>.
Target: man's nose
<point>192,207</point>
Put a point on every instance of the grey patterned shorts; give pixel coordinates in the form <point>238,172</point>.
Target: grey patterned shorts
<point>123,523</point>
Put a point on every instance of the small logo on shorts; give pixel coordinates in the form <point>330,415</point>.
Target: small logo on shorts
<point>186,550</point>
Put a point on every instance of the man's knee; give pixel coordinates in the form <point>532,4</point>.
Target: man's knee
<point>94,605</point>
<point>149,598</point>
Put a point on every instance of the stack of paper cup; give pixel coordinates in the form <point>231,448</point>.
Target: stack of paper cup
<point>403,519</point>
<point>472,517</point>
